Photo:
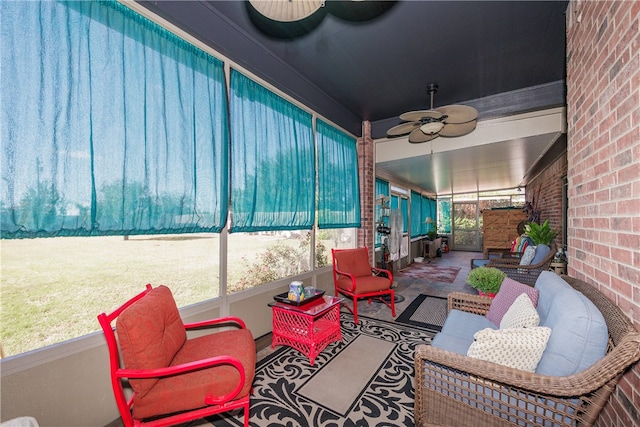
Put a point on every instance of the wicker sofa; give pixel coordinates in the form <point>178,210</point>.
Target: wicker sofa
<point>452,389</point>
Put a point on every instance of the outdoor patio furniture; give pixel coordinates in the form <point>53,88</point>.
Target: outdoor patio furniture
<point>354,277</point>
<point>176,379</point>
<point>455,389</point>
<point>527,274</point>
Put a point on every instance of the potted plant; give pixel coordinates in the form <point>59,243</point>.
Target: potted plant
<point>487,280</point>
<point>433,233</point>
<point>540,234</point>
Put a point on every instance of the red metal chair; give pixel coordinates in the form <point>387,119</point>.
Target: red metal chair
<point>175,379</point>
<point>354,277</point>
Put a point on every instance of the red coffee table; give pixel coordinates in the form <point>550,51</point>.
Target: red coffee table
<point>308,328</point>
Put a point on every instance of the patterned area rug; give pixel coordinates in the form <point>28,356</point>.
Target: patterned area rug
<point>425,311</point>
<point>288,391</point>
<point>433,273</point>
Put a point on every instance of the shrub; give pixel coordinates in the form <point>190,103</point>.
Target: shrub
<point>486,279</point>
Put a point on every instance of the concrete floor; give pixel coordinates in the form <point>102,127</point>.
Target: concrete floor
<point>410,287</point>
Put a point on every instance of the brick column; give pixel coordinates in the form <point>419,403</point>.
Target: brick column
<point>603,154</point>
<point>366,162</point>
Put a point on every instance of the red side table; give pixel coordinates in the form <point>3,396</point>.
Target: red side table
<point>308,328</point>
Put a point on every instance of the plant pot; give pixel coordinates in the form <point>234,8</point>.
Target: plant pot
<point>490,295</point>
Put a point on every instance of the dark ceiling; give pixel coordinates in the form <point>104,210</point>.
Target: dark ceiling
<point>502,57</point>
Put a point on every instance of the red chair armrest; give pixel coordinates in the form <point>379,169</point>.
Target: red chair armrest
<point>378,271</point>
<point>218,321</point>
<point>349,275</point>
<point>190,367</point>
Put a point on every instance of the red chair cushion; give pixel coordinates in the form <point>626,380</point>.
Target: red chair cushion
<point>353,261</point>
<point>365,285</point>
<point>151,333</point>
<point>188,391</point>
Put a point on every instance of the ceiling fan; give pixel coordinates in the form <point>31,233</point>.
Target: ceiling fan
<point>425,125</point>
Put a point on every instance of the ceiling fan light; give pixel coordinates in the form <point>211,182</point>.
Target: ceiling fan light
<point>287,10</point>
<point>432,127</point>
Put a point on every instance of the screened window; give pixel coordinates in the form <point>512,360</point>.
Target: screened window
<point>116,125</point>
<point>404,208</point>
<point>416,214</point>
<point>272,160</point>
<point>338,186</point>
<point>428,212</point>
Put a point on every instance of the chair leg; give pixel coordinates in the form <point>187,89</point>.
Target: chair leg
<point>393,304</point>
<point>246,415</point>
<point>355,310</point>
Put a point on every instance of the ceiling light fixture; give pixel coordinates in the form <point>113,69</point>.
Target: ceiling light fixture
<point>287,10</point>
<point>432,127</point>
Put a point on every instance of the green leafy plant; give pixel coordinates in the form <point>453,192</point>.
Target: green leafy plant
<point>486,279</point>
<point>540,234</point>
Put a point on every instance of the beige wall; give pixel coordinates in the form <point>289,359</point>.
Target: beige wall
<point>68,384</point>
<point>603,114</point>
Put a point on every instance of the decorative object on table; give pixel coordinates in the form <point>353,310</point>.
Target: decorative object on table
<point>559,262</point>
<point>296,292</point>
<point>487,280</point>
<point>284,298</point>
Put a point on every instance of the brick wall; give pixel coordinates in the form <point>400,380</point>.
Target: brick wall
<point>366,161</point>
<point>546,193</point>
<point>603,154</point>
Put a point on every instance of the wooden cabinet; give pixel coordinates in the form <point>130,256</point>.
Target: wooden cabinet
<point>500,228</point>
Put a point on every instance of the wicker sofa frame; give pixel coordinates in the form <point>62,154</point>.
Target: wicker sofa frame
<point>456,390</point>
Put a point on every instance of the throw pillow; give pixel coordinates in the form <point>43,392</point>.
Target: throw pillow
<point>150,332</point>
<point>528,255</point>
<point>509,291</point>
<point>521,243</point>
<point>519,348</point>
<point>521,314</point>
<point>542,251</point>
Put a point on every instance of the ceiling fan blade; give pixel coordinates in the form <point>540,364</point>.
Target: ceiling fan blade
<point>418,136</point>
<point>403,129</point>
<point>458,113</point>
<point>415,116</point>
<point>457,129</point>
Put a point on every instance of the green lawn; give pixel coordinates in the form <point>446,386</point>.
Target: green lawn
<point>52,289</point>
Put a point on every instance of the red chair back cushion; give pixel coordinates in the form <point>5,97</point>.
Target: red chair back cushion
<point>353,261</point>
<point>150,333</point>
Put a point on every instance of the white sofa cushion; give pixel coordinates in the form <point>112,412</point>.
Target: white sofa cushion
<point>521,314</point>
<point>519,348</point>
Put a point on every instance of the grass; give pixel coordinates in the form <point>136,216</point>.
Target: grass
<point>52,289</point>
